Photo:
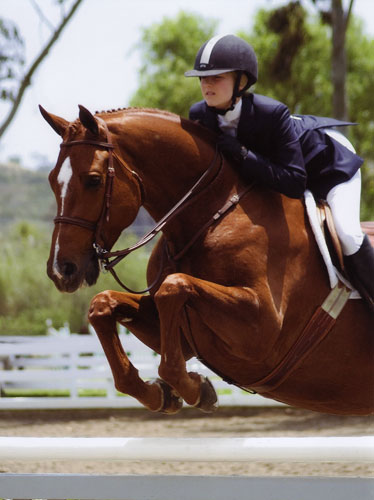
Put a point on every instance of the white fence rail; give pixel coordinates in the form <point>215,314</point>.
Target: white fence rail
<point>76,364</point>
<point>87,487</point>
<point>261,449</point>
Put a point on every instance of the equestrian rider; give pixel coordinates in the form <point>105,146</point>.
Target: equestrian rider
<point>288,153</point>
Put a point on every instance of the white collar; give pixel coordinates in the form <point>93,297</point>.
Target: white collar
<point>234,114</point>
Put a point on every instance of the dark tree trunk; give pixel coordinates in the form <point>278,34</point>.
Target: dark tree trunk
<point>339,60</point>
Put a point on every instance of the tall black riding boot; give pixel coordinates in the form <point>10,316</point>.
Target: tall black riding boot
<point>360,269</point>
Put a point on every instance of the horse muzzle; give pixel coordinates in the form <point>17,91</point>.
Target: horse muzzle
<point>69,276</point>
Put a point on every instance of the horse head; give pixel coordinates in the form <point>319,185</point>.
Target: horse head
<point>89,188</point>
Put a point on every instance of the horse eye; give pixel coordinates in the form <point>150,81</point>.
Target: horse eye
<point>93,180</point>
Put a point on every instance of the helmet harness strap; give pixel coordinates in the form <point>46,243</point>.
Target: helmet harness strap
<point>235,94</point>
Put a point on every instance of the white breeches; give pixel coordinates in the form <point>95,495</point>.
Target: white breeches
<point>344,201</point>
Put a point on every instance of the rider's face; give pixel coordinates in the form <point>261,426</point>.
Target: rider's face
<point>217,90</point>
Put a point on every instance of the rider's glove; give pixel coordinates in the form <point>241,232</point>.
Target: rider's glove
<point>231,147</point>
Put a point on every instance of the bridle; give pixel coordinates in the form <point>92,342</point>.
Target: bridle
<point>96,227</point>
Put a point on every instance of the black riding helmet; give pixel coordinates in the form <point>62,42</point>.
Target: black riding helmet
<point>223,54</point>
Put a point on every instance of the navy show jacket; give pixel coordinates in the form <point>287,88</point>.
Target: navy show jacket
<point>287,153</point>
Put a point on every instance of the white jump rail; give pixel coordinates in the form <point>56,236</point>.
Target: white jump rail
<point>77,363</point>
<point>91,487</point>
<point>264,449</point>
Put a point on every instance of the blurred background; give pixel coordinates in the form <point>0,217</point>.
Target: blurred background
<point>317,56</point>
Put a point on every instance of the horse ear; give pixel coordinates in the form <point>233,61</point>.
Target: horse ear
<point>58,124</point>
<point>88,120</point>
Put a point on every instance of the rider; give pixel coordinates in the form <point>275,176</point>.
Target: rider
<point>288,153</point>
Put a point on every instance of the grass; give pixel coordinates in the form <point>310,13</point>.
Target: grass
<point>55,393</point>
<point>65,393</point>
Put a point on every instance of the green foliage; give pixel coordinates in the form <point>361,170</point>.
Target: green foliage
<point>360,84</point>
<point>28,297</point>
<point>289,22</point>
<point>367,197</point>
<point>168,49</point>
<point>25,195</point>
<point>308,89</point>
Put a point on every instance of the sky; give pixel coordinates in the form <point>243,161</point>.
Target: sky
<point>95,62</point>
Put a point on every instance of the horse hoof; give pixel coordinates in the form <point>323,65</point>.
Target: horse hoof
<point>208,397</point>
<point>172,402</point>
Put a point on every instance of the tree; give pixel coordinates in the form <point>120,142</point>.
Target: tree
<point>168,49</point>
<point>308,88</point>
<point>289,22</point>
<point>338,18</point>
<point>11,60</point>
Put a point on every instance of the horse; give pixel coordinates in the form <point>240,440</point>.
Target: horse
<point>233,280</point>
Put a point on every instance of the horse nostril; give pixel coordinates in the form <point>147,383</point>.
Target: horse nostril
<point>68,269</point>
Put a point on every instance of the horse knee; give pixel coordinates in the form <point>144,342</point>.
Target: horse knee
<point>101,307</point>
<point>174,287</point>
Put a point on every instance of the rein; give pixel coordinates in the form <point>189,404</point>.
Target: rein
<point>173,212</point>
<point>104,255</point>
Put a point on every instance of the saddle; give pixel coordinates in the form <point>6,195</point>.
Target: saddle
<point>322,225</point>
<point>327,226</point>
<point>332,240</point>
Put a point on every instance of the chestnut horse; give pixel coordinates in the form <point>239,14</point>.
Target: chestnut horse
<point>236,274</point>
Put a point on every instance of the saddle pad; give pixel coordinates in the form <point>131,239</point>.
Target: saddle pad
<point>334,275</point>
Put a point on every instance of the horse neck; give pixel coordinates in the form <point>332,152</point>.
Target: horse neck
<point>166,152</point>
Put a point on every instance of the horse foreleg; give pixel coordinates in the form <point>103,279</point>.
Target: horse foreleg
<point>138,313</point>
<point>214,303</point>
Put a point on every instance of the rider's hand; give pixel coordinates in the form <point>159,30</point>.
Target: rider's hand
<point>231,147</point>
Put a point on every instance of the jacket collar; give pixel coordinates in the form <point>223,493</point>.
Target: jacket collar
<point>211,119</point>
<point>231,116</point>
<point>247,118</point>
<point>246,122</point>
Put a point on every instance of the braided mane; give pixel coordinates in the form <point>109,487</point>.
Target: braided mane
<point>136,109</point>
<point>202,132</point>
